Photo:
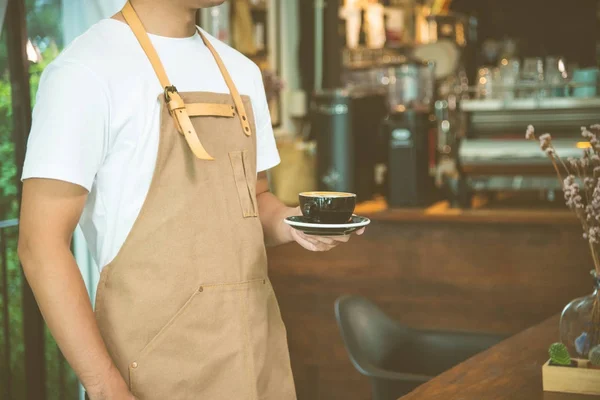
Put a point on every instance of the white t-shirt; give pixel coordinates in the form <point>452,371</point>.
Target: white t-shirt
<point>96,120</point>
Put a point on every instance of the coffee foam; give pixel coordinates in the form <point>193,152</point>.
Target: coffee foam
<point>327,194</point>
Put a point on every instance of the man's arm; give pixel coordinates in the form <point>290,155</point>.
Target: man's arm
<point>272,213</point>
<point>50,211</point>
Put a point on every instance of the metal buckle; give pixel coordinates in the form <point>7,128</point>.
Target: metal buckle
<point>168,89</point>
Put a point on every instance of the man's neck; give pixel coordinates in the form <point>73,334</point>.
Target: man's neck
<point>162,18</point>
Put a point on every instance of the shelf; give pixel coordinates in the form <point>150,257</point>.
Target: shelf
<point>551,103</point>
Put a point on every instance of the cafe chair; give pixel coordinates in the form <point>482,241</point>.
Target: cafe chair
<point>397,358</point>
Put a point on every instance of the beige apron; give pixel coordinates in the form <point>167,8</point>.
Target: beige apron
<point>186,309</point>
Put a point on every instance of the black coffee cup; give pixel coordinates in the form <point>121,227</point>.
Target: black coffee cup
<point>327,207</point>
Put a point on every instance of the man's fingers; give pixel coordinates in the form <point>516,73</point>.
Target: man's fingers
<point>320,243</point>
<point>341,239</point>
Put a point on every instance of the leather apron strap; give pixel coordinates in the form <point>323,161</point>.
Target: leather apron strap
<point>237,99</point>
<point>175,103</point>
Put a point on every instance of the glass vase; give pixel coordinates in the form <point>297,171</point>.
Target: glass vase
<point>580,323</point>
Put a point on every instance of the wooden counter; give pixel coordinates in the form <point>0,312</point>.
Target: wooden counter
<point>498,272</point>
<point>510,370</point>
<point>442,212</point>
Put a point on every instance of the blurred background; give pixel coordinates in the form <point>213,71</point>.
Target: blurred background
<point>420,108</point>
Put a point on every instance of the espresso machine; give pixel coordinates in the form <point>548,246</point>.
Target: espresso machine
<point>493,156</point>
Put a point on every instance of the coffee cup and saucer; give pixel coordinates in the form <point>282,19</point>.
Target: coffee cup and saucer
<point>327,214</point>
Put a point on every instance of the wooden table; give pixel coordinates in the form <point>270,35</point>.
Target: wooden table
<point>510,370</point>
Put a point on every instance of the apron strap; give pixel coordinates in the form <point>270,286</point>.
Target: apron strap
<point>139,31</point>
<point>175,103</point>
<point>237,99</point>
<point>173,100</point>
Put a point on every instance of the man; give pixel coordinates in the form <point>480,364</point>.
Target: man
<point>156,137</point>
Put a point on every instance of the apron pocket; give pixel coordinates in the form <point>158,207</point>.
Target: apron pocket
<point>201,352</point>
<point>243,182</point>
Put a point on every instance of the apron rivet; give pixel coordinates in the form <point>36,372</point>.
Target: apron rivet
<point>134,365</point>
<point>244,117</point>
<point>247,129</point>
<point>201,289</point>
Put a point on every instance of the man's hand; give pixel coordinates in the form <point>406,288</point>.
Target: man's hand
<point>319,243</point>
<point>113,387</point>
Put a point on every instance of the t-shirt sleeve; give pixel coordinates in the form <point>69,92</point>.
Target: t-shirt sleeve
<point>69,134</point>
<point>266,148</point>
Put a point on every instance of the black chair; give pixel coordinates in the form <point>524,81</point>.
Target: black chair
<point>395,357</point>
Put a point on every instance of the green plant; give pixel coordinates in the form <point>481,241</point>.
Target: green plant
<point>594,356</point>
<point>44,30</point>
<point>559,354</point>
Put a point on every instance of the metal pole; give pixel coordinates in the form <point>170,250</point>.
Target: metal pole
<point>33,324</point>
<point>319,10</point>
<point>6,316</point>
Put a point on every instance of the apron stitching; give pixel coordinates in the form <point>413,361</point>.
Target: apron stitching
<point>216,285</point>
<point>239,181</point>
<point>99,294</point>
<point>252,201</point>
<point>130,379</point>
<point>247,347</point>
<point>147,347</point>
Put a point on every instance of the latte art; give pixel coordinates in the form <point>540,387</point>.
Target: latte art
<point>327,194</point>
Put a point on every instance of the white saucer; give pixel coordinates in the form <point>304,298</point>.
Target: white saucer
<point>303,224</point>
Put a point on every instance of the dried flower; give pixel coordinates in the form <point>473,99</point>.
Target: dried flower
<point>589,216</point>
<point>586,133</point>
<point>584,163</point>
<point>573,163</point>
<point>593,208</point>
<point>590,136</point>
<point>530,133</point>
<point>569,180</point>
<point>584,201</point>
<point>571,191</point>
<point>545,141</point>
<point>588,183</point>
<point>594,235</point>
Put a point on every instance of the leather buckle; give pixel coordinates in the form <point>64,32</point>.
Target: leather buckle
<point>169,89</point>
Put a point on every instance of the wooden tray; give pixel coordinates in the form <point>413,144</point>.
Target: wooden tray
<point>582,380</point>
